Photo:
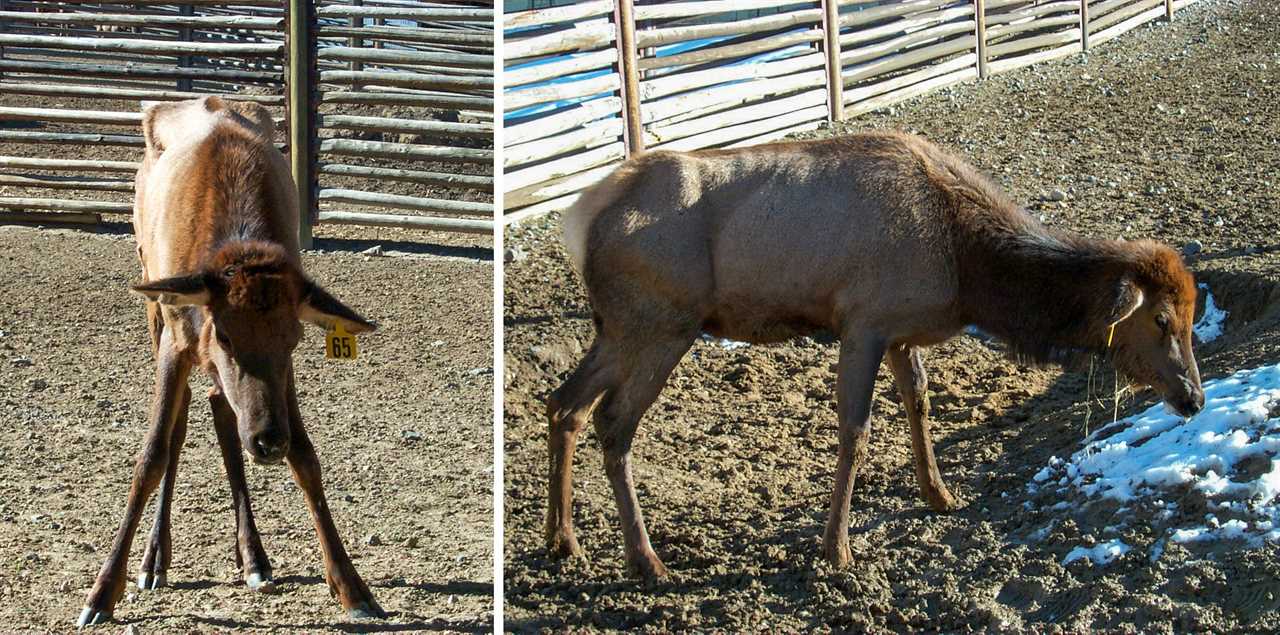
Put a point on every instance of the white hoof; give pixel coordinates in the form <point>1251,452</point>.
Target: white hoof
<point>151,582</point>
<point>260,582</point>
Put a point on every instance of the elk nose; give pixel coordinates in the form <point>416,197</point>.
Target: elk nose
<point>269,447</point>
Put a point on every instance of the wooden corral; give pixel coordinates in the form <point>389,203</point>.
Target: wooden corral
<point>389,101</point>
<point>589,83</point>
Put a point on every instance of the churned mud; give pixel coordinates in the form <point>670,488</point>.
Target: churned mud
<point>1171,132</point>
<point>403,434</point>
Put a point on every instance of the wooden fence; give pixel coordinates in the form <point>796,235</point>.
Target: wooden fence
<point>390,102</point>
<point>590,83</point>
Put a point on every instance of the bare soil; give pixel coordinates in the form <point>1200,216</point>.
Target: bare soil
<point>404,435</point>
<point>1171,132</point>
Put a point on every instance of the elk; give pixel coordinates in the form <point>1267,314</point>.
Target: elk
<point>882,239</point>
<point>215,217</point>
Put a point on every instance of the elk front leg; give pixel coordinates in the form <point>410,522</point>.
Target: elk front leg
<point>250,556</point>
<point>568,409</point>
<point>159,552</point>
<point>172,369</point>
<point>340,573</point>
<point>646,373</point>
<point>913,386</point>
<point>856,377</point>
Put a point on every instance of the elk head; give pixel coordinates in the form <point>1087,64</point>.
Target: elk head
<point>1148,329</point>
<point>251,298</point>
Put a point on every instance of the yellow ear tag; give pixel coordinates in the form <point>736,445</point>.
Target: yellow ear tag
<point>1111,335</point>
<point>339,344</point>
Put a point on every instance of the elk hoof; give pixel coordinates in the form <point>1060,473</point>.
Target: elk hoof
<point>152,580</point>
<point>563,545</point>
<point>262,582</point>
<point>368,609</point>
<point>838,555</point>
<point>942,501</point>
<point>649,568</point>
<point>89,617</point>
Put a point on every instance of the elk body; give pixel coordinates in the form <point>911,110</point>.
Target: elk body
<point>882,239</point>
<point>215,217</point>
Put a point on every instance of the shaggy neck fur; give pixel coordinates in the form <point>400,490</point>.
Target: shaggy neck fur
<point>1047,294</point>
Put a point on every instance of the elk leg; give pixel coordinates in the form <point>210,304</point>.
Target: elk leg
<point>913,386</point>
<point>568,409</point>
<point>344,581</point>
<point>855,382</point>
<point>250,556</point>
<point>172,369</point>
<point>616,425</point>
<point>158,555</point>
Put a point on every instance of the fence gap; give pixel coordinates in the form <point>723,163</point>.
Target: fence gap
<point>835,79</point>
<point>625,21</point>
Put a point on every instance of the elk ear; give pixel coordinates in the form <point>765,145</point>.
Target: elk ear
<point>324,310</point>
<point>185,290</point>
<point>1128,298</point>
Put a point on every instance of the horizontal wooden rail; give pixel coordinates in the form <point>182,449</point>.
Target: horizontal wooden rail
<point>384,150</point>
<point>397,201</point>
<point>142,46</point>
<point>104,207</point>
<point>462,225</point>
<point>443,179</point>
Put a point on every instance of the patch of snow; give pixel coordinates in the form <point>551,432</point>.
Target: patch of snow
<point>1101,553</point>
<point>1209,327</point>
<point>726,344</point>
<point>1157,550</point>
<point>1227,454</point>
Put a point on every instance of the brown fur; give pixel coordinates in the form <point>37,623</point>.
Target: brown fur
<point>883,239</point>
<point>215,216</point>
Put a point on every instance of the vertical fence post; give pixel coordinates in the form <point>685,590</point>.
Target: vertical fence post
<point>1084,25</point>
<point>184,34</point>
<point>625,19</point>
<point>1168,10</point>
<point>980,19</point>
<point>301,78</point>
<point>4,6</point>
<point>356,42</point>
<point>831,40</point>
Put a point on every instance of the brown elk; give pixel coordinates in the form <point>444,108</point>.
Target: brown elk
<point>215,216</point>
<point>882,239</point>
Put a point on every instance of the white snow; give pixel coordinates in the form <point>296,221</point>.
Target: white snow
<point>1226,455</point>
<point>1209,327</point>
<point>725,343</point>
<point>1101,553</point>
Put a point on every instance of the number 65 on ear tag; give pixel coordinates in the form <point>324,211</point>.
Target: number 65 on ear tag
<point>339,344</point>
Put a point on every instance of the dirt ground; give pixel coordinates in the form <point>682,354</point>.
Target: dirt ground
<point>1170,132</point>
<point>403,434</point>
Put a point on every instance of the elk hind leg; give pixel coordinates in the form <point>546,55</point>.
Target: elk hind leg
<point>568,409</point>
<point>913,386</point>
<point>647,364</point>
<point>251,557</point>
<point>159,551</point>
<point>860,357</point>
